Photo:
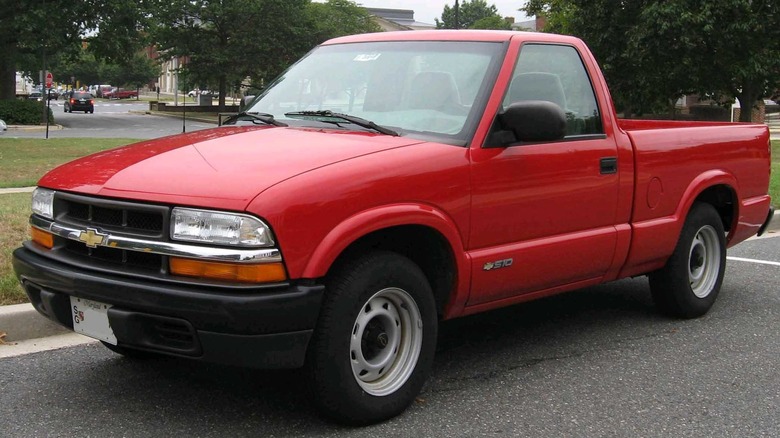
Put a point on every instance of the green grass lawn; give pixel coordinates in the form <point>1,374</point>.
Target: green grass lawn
<point>24,160</point>
<point>774,182</point>
<point>14,211</point>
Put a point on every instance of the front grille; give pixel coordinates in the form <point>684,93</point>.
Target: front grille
<point>153,263</point>
<point>126,218</point>
<point>141,221</point>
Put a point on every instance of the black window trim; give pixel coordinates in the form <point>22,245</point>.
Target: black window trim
<point>580,137</point>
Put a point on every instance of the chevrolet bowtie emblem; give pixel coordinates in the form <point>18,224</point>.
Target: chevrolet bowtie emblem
<point>92,237</point>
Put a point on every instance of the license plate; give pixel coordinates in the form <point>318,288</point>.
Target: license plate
<point>90,318</point>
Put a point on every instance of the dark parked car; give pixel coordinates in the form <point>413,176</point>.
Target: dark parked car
<point>35,95</point>
<point>53,94</point>
<point>80,101</point>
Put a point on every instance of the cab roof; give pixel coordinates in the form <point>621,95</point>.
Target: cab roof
<point>451,35</point>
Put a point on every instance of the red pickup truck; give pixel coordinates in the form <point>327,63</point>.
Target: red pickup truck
<point>382,184</point>
<point>120,93</point>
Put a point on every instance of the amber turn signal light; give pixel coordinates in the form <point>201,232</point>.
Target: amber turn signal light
<point>42,238</point>
<point>243,272</point>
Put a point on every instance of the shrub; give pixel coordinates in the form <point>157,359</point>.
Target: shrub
<point>23,112</point>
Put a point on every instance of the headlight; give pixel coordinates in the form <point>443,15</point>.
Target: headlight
<point>43,202</point>
<point>219,228</point>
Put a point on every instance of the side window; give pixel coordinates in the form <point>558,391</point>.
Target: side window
<point>556,74</point>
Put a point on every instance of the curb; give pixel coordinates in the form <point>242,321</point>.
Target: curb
<point>21,322</point>
<point>17,190</point>
<point>173,115</point>
<point>33,128</point>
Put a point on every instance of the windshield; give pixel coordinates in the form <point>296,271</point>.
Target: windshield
<point>424,89</point>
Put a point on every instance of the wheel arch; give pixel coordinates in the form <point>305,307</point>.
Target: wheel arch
<point>717,188</point>
<point>421,233</point>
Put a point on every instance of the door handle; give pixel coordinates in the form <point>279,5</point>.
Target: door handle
<point>608,165</point>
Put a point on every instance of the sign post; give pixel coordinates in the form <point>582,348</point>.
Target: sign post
<point>49,80</point>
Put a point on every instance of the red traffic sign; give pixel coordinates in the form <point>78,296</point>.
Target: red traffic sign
<point>49,79</point>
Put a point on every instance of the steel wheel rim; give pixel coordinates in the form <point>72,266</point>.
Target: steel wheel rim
<point>704,261</point>
<point>386,341</point>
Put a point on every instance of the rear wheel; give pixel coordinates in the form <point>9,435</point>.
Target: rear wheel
<point>690,282</point>
<point>374,343</point>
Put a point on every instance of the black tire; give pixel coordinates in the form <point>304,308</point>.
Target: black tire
<point>372,303</point>
<point>690,282</point>
<point>130,353</point>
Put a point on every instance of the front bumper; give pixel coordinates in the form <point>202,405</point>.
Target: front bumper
<point>260,328</point>
<point>81,107</point>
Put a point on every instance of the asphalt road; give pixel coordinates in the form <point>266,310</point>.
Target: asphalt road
<point>112,119</point>
<point>597,362</point>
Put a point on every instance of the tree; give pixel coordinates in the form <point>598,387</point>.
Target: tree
<point>226,41</point>
<point>469,12</point>
<point>734,45</point>
<point>28,30</point>
<point>608,27</point>
<point>336,18</point>
<point>83,67</point>
<point>113,30</point>
<point>137,71</point>
<point>493,22</point>
<point>654,51</point>
<point>122,30</point>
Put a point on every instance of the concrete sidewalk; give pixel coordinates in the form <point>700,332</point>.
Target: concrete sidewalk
<point>17,190</point>
<point>33,128</point>
<point>23,331</point>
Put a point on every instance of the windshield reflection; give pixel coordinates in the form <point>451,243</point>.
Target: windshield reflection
<point>420,89</point>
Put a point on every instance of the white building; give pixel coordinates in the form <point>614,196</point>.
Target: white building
<point>23,84</point>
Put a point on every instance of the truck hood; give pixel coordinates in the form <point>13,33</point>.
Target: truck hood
<point>223,167</point>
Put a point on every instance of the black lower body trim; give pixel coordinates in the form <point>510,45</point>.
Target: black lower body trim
<point>768,220</point>
<point>259,329</point>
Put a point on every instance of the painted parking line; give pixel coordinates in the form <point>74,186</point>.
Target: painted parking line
<point>760,262</point>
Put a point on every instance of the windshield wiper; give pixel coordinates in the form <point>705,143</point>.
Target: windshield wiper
<point>267,119</point>
<point>344,117</point>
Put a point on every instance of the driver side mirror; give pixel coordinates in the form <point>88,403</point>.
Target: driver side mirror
<point>529,121</point>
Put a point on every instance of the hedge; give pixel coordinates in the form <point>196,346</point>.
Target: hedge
<point>23,112</point>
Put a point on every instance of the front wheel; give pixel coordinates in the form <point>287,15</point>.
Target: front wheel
<point>690,282</point>
<point>374,343</point>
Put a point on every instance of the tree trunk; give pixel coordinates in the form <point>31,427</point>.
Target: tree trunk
<point>222,92</point>
<point>747,100</point>
<point>7,71</point>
